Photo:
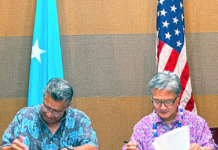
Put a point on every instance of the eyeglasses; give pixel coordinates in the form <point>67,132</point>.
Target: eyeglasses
<point>56,113</point>
<point>167,103</point>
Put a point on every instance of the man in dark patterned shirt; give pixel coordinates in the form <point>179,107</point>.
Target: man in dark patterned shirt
<point>52,125</point>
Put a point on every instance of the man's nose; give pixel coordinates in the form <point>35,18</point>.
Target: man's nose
<point>49,114</point>
<point>163,106</point>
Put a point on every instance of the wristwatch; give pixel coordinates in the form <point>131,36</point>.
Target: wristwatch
<point>70,147</point>
<point>201,148</point>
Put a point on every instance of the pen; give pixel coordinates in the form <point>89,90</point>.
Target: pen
<point>128,142</point>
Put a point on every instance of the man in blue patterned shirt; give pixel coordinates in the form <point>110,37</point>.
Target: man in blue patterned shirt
<point>52,125</point>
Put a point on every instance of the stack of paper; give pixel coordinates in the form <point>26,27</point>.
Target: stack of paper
<point>177,139</point>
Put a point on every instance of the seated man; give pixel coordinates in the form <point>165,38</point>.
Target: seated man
<point>165,90</point>
<point>52,125</point>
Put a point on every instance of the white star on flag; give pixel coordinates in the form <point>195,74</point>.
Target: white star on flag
<point>181,5</point>
<point>178,43</point>
<point>173,8</point>
<point>175,20</point>
<point>165,24</point>
<point>168,36</point>
<point>36,51</point>
<point>177,32</point>
<point>182,17</point>
<point>163,12</point>
<point>161,1</point>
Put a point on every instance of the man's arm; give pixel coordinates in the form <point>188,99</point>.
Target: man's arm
<point>205,140</point>
<point>87,138</point>
<point>11,140</point>
<point>135,138</point>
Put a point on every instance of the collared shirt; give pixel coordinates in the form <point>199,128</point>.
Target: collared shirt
<point>75,129</point>
<point>199,131</point>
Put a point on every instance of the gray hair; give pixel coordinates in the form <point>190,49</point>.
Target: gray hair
<point>165,81</point>
<point>59,89</point>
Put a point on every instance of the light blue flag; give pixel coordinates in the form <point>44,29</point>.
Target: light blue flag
<point>46,59</point>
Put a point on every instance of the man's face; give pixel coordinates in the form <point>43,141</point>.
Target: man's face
<point>52,111</point>
<point>167,113</point>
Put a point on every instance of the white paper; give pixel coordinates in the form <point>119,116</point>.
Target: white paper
<point>177,139</point>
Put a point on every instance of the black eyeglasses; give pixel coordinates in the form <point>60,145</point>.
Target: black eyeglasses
<point>167,103</point>
<point>56,113</point>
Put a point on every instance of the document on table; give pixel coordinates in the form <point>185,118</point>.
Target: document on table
<point>177,139</point>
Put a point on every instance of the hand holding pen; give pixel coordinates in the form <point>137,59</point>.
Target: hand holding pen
<point>131,145</point>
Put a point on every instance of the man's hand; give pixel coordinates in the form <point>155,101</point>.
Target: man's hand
<point>131,146</point>
<point>18,144</point>
<point>195,146</point>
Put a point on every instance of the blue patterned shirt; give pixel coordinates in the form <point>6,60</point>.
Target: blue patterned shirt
<point>75,129</point>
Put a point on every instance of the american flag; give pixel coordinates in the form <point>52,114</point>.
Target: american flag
<point>171,47</point>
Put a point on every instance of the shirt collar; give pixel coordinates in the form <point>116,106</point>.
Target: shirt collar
<point>157,118</point>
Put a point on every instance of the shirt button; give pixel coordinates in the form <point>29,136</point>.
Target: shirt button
<point>51,142</point>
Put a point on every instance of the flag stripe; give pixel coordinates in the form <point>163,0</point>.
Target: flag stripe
<point>186,95</point>
<point>160,45</point>
<point>184,77</point>
<point>163,57</point>
<point>181,61</point>
<point>190,105</point>
<point>172,61</point>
